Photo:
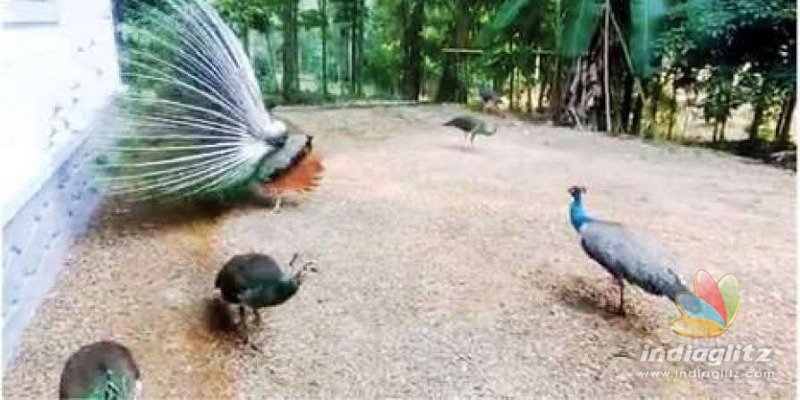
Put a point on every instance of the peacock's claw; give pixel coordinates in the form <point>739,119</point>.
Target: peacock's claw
<point>255,347</point>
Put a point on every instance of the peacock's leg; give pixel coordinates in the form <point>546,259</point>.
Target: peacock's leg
<point>621,284</point>
<point>472,139</point>
<point>243,321</point>
<point>245,332</point>
<point>277,205</point>
<point>258,317</point>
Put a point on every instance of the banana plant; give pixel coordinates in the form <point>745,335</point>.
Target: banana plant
<point>577,21</point>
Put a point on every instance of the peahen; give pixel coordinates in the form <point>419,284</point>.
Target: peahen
<point>257,281</point>
<point>489,96</point>
<point>622,254</point>
<point>103,371</point>
<point>472,126</point>
<point>193,123</point>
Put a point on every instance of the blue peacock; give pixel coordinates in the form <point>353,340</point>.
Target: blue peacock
<point>626,257</point>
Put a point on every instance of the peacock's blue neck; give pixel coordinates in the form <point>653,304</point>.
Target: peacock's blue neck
<point>577,214</point>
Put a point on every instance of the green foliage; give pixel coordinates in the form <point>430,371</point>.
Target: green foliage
<point>259,15</point>
<point>725,53</point>
<point>508,14</point>
<point>646,16</point>
<point>583,19</point>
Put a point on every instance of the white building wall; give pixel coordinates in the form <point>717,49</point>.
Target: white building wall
<point>58,69</point>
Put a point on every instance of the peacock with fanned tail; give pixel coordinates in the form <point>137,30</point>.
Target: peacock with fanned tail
<point>624,255</point>
<point>194,124</point>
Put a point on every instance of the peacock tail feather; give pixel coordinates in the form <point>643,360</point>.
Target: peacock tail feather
<point>111,386</point>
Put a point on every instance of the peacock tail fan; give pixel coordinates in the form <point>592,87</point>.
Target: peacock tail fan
<point>191,123</point>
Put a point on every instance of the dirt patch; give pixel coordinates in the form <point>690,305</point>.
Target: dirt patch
<point>443,271</point>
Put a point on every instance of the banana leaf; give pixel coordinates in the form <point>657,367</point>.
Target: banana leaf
<point>581,22</point>
<point>646,18</point>
<point>507,14</point>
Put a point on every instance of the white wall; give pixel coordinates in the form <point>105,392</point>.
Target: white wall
<point>58,69</point>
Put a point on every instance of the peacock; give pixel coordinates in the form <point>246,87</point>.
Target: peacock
<point>256,281</point>
<point>489,96</point>
<point>623,254</point>
<point>102,370</point>
<point>472,127</point>
<point>193,123</point>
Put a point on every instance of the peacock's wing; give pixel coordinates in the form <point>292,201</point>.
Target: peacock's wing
<point>248,271</point>
<point>630,256</point>
<point>464,122</point>
<point>193,120</point>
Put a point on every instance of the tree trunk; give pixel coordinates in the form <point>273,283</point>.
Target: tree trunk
<point>540,100</point>
<point>512,103</point>
<point>758,117</point>
<point>627,102</point>
<point>359,53</point>
<point>451,86</point>
<point>353,55</point>
<point>556,89</point>
<point>636,120</point>
<point>606,69</point>
<point>413,12</point>
<point>529,89</point>
<point>323,7</point>
<point>783,128</point>
<point>714,132</point>
<point>543,85</point>
<point>673,107</point>
<point>290,67</point>
<point>655,98</point>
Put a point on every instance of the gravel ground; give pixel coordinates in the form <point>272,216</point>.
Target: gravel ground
<point>444,271</point>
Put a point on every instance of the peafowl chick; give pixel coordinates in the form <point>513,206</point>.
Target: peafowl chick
<point>257,281</point>
<point>103,371</point>
<point>472,127</point>
<point>622,254</point>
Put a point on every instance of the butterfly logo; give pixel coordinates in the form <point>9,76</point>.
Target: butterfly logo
<point>711,309</point>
